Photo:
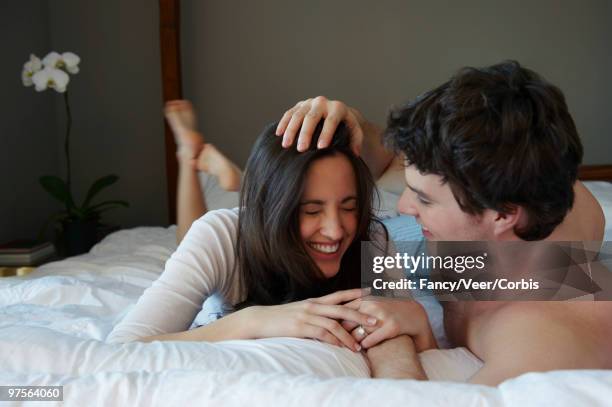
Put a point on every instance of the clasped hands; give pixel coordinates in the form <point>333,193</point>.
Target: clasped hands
<point>349,318</point>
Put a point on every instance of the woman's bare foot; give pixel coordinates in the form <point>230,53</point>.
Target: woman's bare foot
<point>182,121</point>
<point>191,147</point>
<point>214,162</point>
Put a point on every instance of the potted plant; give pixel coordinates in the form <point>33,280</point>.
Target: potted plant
<point>79,224</point>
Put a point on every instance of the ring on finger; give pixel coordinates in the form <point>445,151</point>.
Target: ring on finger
<point>360,331</point>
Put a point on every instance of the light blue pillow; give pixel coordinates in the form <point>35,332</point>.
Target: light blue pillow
<point>214,307</point>
<point>403,228</point>
<point>408,238</point>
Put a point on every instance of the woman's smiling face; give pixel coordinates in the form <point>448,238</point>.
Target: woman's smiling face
<point>328,211</point>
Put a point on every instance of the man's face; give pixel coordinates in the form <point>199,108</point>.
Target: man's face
<point>434,206</point>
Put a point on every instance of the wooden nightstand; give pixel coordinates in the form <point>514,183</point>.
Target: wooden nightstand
<point>21,257</point>
<point>16,271</point>
<point>20,271</point>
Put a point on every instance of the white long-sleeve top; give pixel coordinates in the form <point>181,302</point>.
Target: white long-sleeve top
<point>204,263</point>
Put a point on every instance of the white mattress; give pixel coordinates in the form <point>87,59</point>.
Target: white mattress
<point>53,324</point>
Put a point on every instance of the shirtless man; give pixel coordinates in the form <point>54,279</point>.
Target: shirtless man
<point>493,155</point>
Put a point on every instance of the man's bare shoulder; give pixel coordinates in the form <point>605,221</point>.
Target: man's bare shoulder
<point>585,221</point>
<point>526,337</point>
<point>555,335</point>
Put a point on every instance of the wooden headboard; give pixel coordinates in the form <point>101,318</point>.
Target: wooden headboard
<point>169,40</point>
<point>595,173</point>
<point>172,87</point>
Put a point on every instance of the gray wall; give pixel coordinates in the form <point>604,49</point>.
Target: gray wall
<point>245,62</point>
<point>117,102</point>
<point>28,147</point>
<point>116,105</point>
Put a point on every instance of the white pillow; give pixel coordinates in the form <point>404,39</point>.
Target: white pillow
<point>215,196</point>
<point>26,349</point>
<point>603,193</point>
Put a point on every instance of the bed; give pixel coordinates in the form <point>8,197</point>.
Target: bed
<point>53,325</point>
<point>54,322</point>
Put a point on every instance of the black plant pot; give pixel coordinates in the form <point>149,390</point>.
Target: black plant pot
<point>79,236</point>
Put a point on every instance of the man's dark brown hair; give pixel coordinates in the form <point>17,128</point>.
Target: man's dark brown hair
<point>500,136</point>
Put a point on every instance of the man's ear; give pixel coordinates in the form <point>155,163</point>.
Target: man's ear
<point>504,223</point>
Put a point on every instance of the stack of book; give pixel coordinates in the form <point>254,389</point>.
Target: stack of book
<point>25,253</point>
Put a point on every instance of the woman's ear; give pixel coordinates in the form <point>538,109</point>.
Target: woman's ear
<point>504,223</point>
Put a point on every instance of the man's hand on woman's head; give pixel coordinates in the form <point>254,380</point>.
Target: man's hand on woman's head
<point>315,318</point>
<point>305,116</point>
<point>395,317</point>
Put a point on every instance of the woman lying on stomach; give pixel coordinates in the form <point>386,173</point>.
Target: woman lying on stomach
<point>288,259</point>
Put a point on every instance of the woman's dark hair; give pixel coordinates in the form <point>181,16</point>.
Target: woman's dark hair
<point>500,136</point>
<point>271,254</point>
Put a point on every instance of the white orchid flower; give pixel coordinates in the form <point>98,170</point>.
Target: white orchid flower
<point>51,78</point>
<point>29,69</point>
<point>68,61</point>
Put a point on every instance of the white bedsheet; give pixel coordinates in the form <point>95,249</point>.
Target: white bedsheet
<point>53,324</point>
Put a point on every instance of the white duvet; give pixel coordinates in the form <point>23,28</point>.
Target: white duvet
<point>53,324</point>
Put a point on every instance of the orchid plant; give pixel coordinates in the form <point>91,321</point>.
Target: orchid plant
<point>53,72</point>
